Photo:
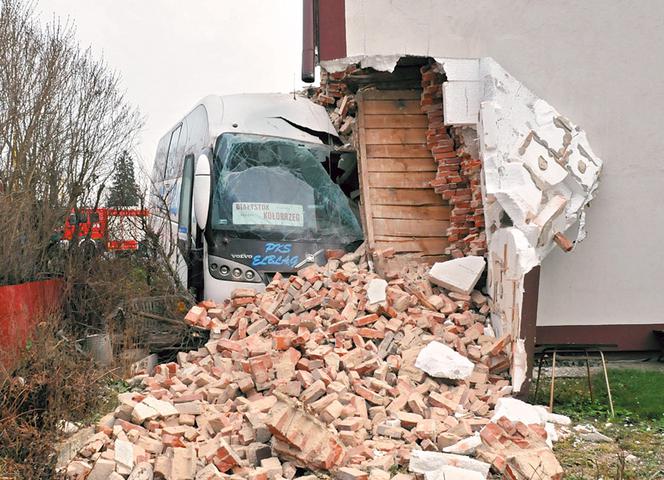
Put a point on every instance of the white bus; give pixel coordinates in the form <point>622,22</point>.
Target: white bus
<point>246,182</point>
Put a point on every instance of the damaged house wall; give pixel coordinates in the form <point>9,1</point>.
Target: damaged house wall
<point>539,173</point>
<point>575,55</point>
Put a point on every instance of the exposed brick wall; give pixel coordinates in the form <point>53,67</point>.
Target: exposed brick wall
<point>332,86</point>
<point>458,177</point>
<point>334,95</point>
<point>459,168</point>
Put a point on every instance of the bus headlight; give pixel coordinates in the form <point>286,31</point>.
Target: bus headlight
<point>228,270</point>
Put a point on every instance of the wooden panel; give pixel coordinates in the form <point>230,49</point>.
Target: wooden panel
<point>401,165</point>
<point>395,121</point>
<point>395,136</point>
<point>391,107</point>
<point>410,228</point>
<point>400,208</point>
<point>398,151</point>
<point>432,212</point>
<point>394,196</point>
<point>428,246</point>
<point>375,94</point>
<point>399,180</point>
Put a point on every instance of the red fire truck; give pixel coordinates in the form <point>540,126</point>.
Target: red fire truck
<point>110,229</point>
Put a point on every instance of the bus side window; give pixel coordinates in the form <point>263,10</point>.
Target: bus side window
<point>170,156</point>
<point>184,211</point>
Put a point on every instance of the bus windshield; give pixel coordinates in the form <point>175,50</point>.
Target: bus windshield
<point>277,189</point>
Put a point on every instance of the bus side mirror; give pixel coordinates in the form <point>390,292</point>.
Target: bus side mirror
<point>202,190</point>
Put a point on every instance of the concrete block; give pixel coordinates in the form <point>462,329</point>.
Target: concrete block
<point>458,275</point>
<point>439,360</point>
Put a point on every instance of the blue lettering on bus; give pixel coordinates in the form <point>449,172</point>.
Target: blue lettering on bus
<point>266,260</point>
<point>276,254</point>
<point>283,248</point>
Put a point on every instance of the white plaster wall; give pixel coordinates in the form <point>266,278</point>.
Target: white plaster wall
<point>601,64</point>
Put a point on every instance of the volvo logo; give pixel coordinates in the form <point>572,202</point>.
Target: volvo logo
<point>241,255</point>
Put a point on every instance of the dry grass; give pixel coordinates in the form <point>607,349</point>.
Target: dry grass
<point>51,382</point>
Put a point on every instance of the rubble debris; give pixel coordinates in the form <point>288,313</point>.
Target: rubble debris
<point>558,419</point>
<point>430,462</point>
<point>447,472</point>
<point>563,242</point>
<point>102,470</point>
<point>519,411</point>
<point>458,275</point>
<point>519,367</point>
<point>376,291</point>
<point>440,361</point>
<point>302,438</point>
<point>142,471</point>
<point>466,446</point>
<point>518,451</point>
<point>145,365</point>
<point>78,470</point>
<point>590,434</point>
<point>310,376</point>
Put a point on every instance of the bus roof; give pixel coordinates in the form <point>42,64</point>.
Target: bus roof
<point>275,114</point>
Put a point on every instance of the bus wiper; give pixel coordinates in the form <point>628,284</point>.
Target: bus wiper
<point>310,258</point>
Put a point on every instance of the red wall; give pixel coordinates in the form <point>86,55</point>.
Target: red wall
<point>331,29</point>
<point>627,337</point>
<point>21,307</point>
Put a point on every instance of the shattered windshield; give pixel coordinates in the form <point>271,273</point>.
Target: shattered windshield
<point>277,189</point>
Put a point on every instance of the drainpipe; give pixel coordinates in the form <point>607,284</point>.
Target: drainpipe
<point>308,42</point>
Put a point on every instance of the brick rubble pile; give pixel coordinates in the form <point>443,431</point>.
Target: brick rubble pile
<point>334,372</point>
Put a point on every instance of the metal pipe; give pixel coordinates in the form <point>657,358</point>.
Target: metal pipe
<point>553,381</point>
<point>590,383</point>
<point>608,387</point>
<point>539,375</point>
<point>308,42</point>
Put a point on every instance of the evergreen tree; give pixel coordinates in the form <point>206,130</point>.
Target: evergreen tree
<point>124,191</point>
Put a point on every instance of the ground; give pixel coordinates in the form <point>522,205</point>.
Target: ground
<point>637,452</point>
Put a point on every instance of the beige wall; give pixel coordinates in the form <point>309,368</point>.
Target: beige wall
<point>599,62</point>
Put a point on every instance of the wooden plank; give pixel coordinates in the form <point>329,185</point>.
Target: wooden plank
<point>427,246</point>
<point>421,212</point>
<point>395,136</point>
<point>395,196</point>
<point>399,79</point>
<point>398,151</point>
<point>396,121</point>
<point>401,165</point>
<point>410,228</point>
<point>375,94</point>
<point>391,107</point>
<point>399,180</point>
<point>364,176</point>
